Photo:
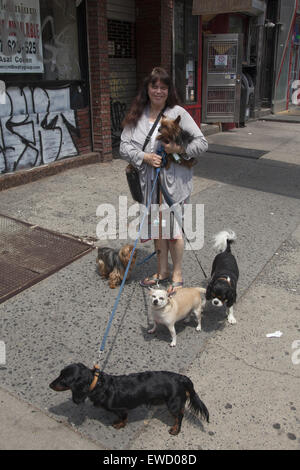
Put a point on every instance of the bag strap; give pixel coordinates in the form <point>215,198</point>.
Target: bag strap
<point>152,129</point>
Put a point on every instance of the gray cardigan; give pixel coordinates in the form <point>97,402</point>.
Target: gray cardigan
<point>177,180</point>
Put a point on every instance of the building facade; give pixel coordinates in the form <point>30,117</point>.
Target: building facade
<point>69,69</point>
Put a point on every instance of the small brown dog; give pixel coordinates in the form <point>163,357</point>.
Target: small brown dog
<point>111,264</point>
<point>167,310</point>
<point>170,131</point>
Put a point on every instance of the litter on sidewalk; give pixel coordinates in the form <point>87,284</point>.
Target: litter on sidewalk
<point>276,334</point>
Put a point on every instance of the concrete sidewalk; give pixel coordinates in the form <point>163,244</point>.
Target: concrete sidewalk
<point>292,115</point>
<point>248,382</point>
<point>24,427</point>
<point>280,140</point>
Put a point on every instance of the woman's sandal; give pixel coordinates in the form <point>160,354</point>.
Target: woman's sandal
<point>174,286</point>
<point>153,281</point>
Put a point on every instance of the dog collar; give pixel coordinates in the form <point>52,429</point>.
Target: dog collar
<point>96,377</point>
<point>227,279</point>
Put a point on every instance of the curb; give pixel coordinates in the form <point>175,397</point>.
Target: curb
<point>20,177</point>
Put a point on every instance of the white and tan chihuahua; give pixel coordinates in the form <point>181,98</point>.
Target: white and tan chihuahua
<point>168,309</point>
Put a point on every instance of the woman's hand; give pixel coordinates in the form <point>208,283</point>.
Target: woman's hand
<point>171,147</point>
<point>153,159</point>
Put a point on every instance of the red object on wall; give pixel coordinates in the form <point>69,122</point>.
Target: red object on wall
<point>228,126</point>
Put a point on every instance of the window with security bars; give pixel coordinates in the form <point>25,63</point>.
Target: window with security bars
<point>222,57</point>
<point>121,39</point>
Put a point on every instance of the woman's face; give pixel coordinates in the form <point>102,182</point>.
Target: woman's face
<point>158,93</point>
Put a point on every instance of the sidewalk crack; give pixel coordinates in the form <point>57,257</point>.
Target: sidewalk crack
<point>257,367</point>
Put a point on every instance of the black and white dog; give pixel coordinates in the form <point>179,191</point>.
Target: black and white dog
<point>224,275</point>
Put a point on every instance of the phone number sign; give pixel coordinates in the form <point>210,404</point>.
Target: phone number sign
<point>20,37</point>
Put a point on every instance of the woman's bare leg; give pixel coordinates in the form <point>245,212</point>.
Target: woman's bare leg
<point>176,248</point>
<point>163,246</point>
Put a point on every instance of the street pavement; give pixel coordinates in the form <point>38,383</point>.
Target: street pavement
<point>249,382</point>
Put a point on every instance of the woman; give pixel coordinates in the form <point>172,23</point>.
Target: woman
<point>156,95</point>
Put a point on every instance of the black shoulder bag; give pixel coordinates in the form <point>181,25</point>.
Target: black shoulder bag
<point>132,173</point>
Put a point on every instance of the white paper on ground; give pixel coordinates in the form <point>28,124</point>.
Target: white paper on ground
<point>276,334</point>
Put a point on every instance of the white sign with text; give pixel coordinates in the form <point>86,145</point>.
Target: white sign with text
<point>20,37</point>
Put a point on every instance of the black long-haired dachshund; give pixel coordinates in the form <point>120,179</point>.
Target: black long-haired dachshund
<point>120,393</point>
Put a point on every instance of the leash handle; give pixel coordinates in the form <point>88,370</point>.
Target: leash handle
<point>161,151</point>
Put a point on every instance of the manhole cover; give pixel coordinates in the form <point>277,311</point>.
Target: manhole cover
<point>29,253</point>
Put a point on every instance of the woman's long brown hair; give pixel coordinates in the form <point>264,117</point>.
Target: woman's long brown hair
<point>142,99</point>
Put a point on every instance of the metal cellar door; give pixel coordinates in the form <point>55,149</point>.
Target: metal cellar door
<point>222,67</point>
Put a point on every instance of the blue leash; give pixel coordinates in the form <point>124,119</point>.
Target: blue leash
<point>164,157</point>
<point>127,269</point>
<point>160,151</point>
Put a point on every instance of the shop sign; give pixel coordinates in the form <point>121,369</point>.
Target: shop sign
<point>20,37</point>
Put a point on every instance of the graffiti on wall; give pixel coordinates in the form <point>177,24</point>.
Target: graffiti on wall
<point>118,86</point>
<point>37,127</point>
<point>60,63</point>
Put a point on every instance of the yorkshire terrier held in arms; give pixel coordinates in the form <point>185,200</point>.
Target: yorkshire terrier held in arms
<point>112,264</point>
<point>171,132</point>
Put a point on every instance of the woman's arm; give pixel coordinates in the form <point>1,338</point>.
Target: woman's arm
<point>129,151</point>
<point>132,152</point>
<point>199,143</point>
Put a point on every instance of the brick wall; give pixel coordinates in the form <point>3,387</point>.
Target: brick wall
<point>153,35</point>
<point>153,48</point>
<point>99,78</point>
<point>166,34</point>
<point>83,140</point>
